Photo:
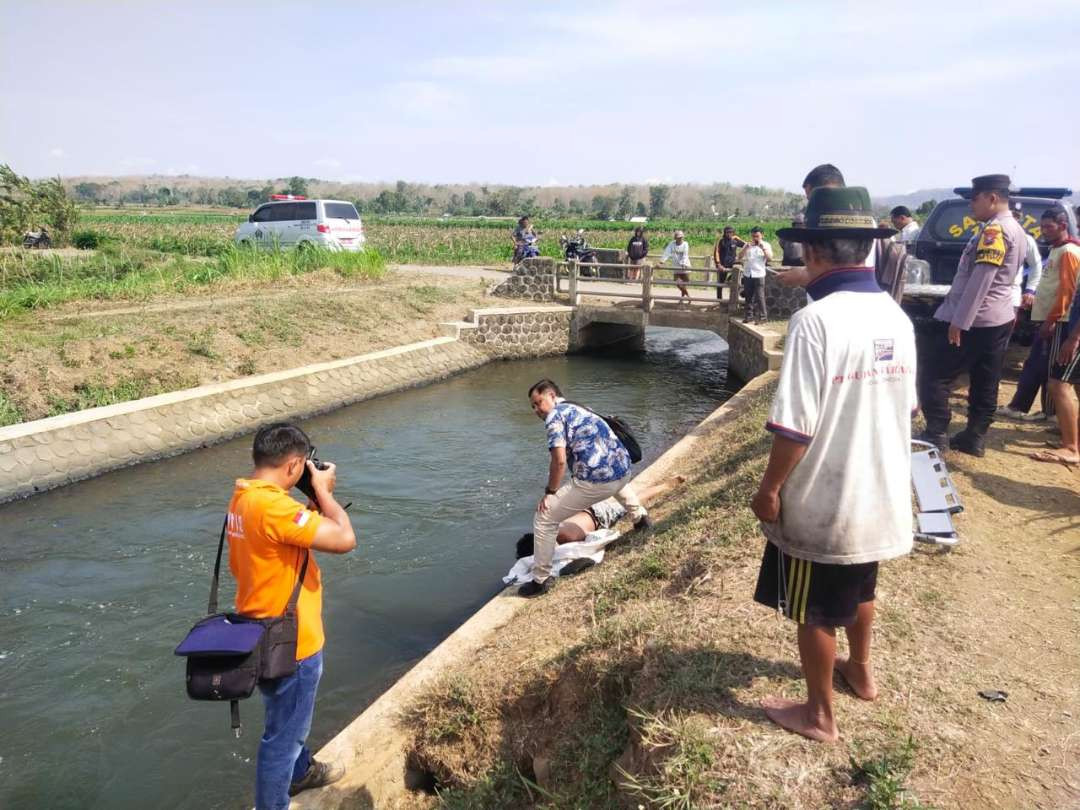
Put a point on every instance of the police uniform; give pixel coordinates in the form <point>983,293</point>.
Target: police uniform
<point>980,305</point>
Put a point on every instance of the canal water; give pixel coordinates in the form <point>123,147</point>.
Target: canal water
<point>103,578</point>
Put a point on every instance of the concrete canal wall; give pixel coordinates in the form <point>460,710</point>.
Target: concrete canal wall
<point>47,453</point>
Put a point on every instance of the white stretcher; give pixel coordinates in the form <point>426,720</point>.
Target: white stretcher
<point>936,496</point>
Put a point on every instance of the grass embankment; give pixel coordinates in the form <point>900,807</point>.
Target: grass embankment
<point>241,324</point>
<point>638,683</point>
<point>124,270</point>
<point>412,240</point>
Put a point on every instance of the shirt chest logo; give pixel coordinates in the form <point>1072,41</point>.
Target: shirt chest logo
<point>884,350</point>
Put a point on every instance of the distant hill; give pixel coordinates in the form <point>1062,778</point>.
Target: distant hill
<point>917,198</point>
<point>913,199</point>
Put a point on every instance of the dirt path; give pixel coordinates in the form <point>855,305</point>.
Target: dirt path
<point>1012,606</point>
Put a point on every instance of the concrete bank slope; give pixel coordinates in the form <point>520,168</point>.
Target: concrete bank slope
<point>372,747</point>
<point>47,453</point>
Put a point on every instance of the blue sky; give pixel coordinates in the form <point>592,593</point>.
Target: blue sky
<point>902,96</point>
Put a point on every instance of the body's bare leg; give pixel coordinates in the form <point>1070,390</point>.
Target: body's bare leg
<point>856,669</point>
<point>813,719</point>
<point>649,493</point>
<point>1065,405</point>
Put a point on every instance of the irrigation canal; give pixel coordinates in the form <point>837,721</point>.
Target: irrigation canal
<point>103,578</point>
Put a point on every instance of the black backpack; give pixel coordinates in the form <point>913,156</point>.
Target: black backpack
<point>621,430</point>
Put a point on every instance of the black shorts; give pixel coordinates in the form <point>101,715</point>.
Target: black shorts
<point>814,593</point>
<point>1069,373</point>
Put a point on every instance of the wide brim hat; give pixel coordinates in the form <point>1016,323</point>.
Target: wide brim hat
<point>838,213</point>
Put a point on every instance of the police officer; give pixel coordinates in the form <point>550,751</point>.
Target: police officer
<point>972,326</point>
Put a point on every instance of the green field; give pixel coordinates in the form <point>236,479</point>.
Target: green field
<point>403,239</point>
<point>134,254</point>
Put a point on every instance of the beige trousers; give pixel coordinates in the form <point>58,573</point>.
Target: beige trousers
<point>573,497</point>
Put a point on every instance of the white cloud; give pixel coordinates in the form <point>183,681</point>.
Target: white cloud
<point>191,168</point>
<point>56,152</point>
<point>134,163</point>
<point>498,69</point>
<point>423,99</point>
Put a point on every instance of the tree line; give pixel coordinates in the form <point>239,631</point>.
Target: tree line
<point>618,201</point>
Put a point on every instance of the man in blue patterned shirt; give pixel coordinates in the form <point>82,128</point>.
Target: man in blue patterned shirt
<point>599,469</point>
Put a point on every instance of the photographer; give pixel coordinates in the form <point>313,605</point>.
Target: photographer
<point>270,534</point>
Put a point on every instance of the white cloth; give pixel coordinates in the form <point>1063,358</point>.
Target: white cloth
<point>679,253</point>
<point>1034,267</point>
<point>592,547</point>
<point>1034,262</point>
<point>847,391</point>
<point>909,233</point>
<point>755,258</point>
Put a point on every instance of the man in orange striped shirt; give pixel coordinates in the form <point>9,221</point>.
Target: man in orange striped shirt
<point>1060,281</point>
<point>270,537</point>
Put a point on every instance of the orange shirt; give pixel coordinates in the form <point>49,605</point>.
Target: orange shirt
<point>268,532</point>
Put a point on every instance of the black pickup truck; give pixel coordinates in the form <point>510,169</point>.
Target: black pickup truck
<point>950,226</point>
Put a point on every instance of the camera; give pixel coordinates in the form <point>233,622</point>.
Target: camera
<point>304,484</point>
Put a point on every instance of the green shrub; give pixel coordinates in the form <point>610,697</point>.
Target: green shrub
<point>87,240</point>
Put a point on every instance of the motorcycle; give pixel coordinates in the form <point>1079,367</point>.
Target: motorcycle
<point>37,239</point>
<point>527,248</point>
<point>577,248</point>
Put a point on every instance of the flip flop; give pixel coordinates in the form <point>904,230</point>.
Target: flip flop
<point>1048,457</point>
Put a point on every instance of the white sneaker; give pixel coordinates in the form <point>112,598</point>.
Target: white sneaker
<point>1005,412</point>
<point>1033,417</point>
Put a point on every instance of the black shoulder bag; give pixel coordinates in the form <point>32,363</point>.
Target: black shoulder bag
<point>229,653</point>
<point>621,430</point>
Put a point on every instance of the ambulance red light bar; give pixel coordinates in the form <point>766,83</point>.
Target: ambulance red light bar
<point>287,197</point>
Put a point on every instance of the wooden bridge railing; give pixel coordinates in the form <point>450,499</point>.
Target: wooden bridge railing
<point>648,282</point>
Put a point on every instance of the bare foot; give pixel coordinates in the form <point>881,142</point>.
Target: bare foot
<point>859,677</point>
<point>796,717</point>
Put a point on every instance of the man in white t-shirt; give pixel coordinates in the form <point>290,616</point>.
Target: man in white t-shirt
<point>836,496</point>
<point>755,256</point>
<point>677,253</point>
<point>906,224</point>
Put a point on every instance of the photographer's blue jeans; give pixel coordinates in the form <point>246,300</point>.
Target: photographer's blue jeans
<point>283,757</point>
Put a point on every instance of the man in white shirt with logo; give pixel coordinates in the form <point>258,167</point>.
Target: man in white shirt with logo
<point>835,498</point>
<point>755,256</point>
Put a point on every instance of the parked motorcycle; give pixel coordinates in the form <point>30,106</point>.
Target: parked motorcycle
<point>576,247</point>
<point>37,239</point>
<point>527,248</point>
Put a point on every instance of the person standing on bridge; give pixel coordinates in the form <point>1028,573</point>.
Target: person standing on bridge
<point>677,253</point>
<point>755,257</point>
<point>271,537</point>
<point>835,498</point>
<point>636,251</point>
<point>725,252</point>
<point>974,323</point>
<point>599,469</point>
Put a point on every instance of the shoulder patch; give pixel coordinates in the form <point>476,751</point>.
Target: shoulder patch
<point>991,247</point>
